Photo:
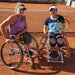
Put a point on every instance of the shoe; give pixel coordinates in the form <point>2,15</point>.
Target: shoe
<point>54,54</point>
<point>31,53</point>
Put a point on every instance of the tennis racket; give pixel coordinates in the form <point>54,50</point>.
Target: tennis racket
<point>63,25</point>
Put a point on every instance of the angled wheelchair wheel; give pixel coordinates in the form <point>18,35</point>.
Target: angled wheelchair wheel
<point>11,55</point>
<point>28,39</point>
<point>67,46</point>
<point>34,45</point>
<point>42,42</point>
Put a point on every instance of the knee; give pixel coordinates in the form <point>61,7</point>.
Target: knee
<point>52,40</point>
<point>60,41</point>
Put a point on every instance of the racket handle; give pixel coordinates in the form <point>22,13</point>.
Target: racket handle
<point>60,32</point>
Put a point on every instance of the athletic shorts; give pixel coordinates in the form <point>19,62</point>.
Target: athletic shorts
<point>25,38</point>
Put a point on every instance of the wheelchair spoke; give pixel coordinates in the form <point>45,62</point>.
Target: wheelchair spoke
<point>11,55</point>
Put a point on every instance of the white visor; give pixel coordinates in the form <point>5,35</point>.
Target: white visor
<point>52,7</point>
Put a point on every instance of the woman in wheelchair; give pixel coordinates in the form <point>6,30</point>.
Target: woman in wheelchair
<point>17,26</point>
<point>56,40</point>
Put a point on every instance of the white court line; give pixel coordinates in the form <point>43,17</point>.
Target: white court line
<point>36,10</point>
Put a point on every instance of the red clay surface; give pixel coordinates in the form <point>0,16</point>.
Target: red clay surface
<point>38,17</point>
<point>40,66</point>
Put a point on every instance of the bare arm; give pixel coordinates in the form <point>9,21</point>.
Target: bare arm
<point>45,29</point>
<point>5,23</point>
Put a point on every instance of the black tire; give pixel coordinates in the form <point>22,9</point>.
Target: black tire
<point>28,39</point>
<point>42,42</point>
<point>10,54</point>
<point>67,46</point>
<point>34,45</point>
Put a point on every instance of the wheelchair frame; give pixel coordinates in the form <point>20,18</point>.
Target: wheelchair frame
<point>16,50</point>
<point>44,41</point>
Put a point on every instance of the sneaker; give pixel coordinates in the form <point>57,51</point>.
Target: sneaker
<point>54,54</point>
<point>31,53</point>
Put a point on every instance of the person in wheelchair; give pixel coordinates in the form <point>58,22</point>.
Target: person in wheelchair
<point>56,40</point>
<point>17,27</point>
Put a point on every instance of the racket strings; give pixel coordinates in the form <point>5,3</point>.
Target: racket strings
<point>63,26</point>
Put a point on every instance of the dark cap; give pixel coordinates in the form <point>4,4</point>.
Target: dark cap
<point>20,6</point>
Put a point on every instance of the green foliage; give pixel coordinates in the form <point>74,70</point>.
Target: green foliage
<point>59,1</point>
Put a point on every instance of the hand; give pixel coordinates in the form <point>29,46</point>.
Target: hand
<point>8,40</point>
<point>60,32</point>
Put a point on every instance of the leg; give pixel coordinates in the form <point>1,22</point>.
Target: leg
<point>27,43</point>
<point>60,41</point>
<point>31,47</point>
<point>52,41</point>
<point>30,43</point>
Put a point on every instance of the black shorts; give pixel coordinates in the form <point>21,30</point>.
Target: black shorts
<point>25,38</point>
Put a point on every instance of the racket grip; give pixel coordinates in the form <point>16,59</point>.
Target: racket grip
<point>60,32</point>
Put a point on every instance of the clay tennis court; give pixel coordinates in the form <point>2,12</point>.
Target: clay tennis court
<point>40,66</point>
